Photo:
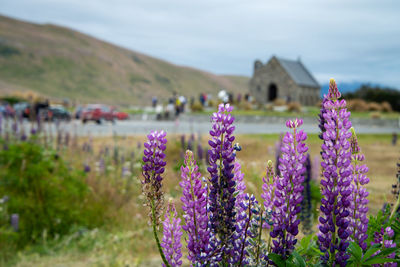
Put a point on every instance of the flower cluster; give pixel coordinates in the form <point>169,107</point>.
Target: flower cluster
<point>336,181</point>
<point>224,224</point>
<point>268,188</point>
<point>194,206</point>
<point>171,242</point>
<point>384,237</point>
<point>222,184</point>
<point>359,220</point>
<point>289,188</point>
<point>152,169</point>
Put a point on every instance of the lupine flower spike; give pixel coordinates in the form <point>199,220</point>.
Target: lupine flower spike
<point>222,184</point>
<point>288,193</point>
<point>171,242</point>
<point>336,181</point>
<point>195,210</point>
<point>152,169</point>
<point>359,208</point>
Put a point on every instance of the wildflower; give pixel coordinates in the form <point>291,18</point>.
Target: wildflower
<point>336,181</point>
<point>86,168</point>
<point>384,237</point>
<point>172,233</point>
<point>306,206</point>
<point>268,188</point>
<point>288,193</point>
<point>15,222</point>
<point>195,210</point>
<point>222,184</point>
<point>152,169</point>
<point>359,208</point>
<point>246,217</point>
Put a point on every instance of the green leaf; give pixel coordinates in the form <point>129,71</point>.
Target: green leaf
<point>374,248</point>
<point>356,251</point>
<point>386,251</point>
<point>379,260</point>
<point>299,259</point>
<point>277,259</point>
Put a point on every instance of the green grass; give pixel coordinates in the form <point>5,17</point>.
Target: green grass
<point>311,112</point>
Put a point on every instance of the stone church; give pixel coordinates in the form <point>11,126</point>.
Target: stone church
<point>284,79</point>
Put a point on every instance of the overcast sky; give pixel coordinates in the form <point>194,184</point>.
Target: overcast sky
<point>348,40</point>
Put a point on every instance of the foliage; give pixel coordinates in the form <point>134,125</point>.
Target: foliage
<point>47,196</point>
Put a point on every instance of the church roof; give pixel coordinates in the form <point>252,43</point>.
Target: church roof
<point>298,72</point>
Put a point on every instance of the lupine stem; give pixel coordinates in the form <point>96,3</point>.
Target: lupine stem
<point>153,214</point>
<point>259,238</point>
<point>245,235</point>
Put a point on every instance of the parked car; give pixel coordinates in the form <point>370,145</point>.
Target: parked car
<point>97,113</point>
<point>119,115</point>
<point>55,113</point>
<point>22,109</point>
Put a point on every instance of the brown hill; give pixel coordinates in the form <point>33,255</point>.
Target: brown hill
<point>62,63</point>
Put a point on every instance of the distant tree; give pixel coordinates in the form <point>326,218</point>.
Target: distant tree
<point>377,94</point>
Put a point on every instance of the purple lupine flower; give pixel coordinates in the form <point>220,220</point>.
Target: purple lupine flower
<point>245,218</point>
<point>86,168</point>
<point>288,193</point>
<point>379,238</point>
<point>152,169</point>
<point>321,118</point>
<point>306,206</point>
<point>200,152</point>
<point>278,152</point>
<point>336,181</point>
<point>359,220</point>
<point>240,185</point>
<point>15,222</point>
<point>195,210</point>
<point>222,184</point>
<point>172,233</point>
<point>268,188</point>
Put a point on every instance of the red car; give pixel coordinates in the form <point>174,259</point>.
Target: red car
<point>97,113</point>
<point>119,115</point>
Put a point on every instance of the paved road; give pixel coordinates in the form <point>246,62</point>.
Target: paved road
<point>143,127</point>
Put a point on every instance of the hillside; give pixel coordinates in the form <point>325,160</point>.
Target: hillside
<point>65,64</point>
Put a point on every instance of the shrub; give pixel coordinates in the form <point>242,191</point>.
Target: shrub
<point>197,106</point>
<point>45,194</point>
<point>279,102</point>
<point>386,107</point>
<point>294,107</point>
<point>357,105</point>
<point>373,106</point>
